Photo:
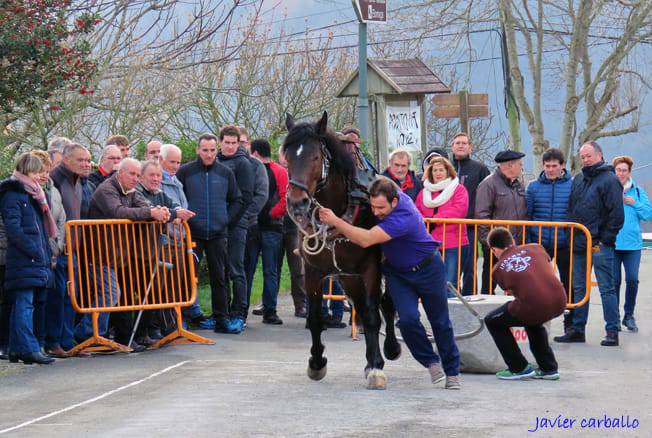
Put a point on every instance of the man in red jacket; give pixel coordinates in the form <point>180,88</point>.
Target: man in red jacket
<point>525,272</point>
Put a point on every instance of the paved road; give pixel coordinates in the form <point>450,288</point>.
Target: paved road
<point>255,384</point>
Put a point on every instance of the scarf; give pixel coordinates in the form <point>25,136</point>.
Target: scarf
<point>406,184</point>
<point>36,192</point>
<point>628,185</point>
<point>446,187</point>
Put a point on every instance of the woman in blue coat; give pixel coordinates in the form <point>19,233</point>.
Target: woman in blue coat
<point>29,225</point>
<point>630,240</point>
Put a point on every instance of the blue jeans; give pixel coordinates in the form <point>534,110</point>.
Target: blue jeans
<point>451,265</point>
<point>603,266</point>
<point>6,305</point>
<point>631,260</point>
<point>104,276</point>
<point>427,284</point>
<point>252,252</point>
<point>469,284</point>
<point>60,318</point>
<point>270,245</point>
<point>39,316</point>
<point>336,306</point>
<point>21,336</point>
<point>236,243</point>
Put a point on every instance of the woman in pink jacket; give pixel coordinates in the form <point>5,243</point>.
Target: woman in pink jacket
<point>444,197</point>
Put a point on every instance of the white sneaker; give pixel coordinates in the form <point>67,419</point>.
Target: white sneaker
<point>436,373</point>
<point>453,382</point>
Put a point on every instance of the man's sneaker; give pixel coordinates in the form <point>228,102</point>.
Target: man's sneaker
<point>221,326</point>
<point>208,324</point>
<point>235,326</point>
<point>272,318</point>
<point>301,312</point>
<point>571,335</point>
<point>453,382</point>
<point>508,375</point>
<point>546,375</point>
<point>630,323</point>
<point>610,340</point>
<point>258,310</point>
<point>436,373</point>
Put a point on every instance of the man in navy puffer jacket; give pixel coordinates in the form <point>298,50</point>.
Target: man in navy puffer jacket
<point>596,202</point>
<point>547,201</point>
<point>214,196</point>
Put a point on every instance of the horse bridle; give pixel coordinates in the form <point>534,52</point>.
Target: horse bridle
<point>325,170</point>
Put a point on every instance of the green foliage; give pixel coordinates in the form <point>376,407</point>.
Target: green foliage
<point>41,52</point>
<point>188,148</point>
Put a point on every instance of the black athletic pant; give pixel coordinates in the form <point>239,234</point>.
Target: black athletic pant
<point>498,323</point>
<point>215,250</point>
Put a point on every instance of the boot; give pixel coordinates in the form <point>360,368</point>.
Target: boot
<point>35,357</point>
<point>571,335</point>
<point>611,340</point>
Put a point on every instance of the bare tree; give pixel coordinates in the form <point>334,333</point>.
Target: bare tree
<point>597,79</point>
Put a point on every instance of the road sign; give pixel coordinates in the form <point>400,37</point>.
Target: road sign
<point>450,106</point>
<point>463,106</point>
<point>371,11</point>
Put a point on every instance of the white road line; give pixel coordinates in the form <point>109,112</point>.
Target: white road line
<point>94,399</point>
<point>254,361</point>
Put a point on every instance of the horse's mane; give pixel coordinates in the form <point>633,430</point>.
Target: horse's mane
<point>341,159</point>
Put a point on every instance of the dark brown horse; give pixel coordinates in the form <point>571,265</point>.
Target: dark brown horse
<point>320,168</point>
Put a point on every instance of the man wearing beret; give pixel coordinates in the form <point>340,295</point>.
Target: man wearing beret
<point>500,196</point>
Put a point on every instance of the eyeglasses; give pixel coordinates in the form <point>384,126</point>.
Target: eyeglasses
<point>114,158</point>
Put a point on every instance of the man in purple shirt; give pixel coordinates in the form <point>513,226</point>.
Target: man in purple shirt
<point>413,270</point>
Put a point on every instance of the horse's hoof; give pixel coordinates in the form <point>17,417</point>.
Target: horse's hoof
<point>376,379</point>
<point>392,352</point>
<point>317,374</point>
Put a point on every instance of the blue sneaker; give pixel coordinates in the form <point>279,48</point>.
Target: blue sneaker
<point>235,326</point>
<point>208,324</point>
<point>508,375</point>
<point>222,326</point>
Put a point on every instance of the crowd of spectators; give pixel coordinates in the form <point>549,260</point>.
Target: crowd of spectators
<point>233,198</point>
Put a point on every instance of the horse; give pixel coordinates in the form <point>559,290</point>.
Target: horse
<point>320,169</point>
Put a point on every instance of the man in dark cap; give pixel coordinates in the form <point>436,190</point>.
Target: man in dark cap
<point>470,173</point>
<point>500,196</point>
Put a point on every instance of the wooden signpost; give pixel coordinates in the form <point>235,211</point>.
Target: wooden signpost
<point>463,106</point>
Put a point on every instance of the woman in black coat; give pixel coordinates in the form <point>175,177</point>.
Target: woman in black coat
<point>28,224</point>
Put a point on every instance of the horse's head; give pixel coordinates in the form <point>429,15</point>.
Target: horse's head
<point>312,152</point>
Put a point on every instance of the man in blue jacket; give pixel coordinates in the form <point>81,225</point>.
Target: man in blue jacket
<point>214,197</point>
<point>547,201</point>
<point>596,201</point>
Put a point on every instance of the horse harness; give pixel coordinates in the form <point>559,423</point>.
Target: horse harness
<point>314,243</point>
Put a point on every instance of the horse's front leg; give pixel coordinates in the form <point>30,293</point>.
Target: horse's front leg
<point>366,298</point>
<point>391,348</point>
<point>317,361</point>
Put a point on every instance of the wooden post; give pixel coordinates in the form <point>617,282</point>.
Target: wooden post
<point>381,125</point>
<point>464,112</point>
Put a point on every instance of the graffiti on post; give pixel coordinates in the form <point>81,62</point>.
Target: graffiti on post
<point>404,127</point>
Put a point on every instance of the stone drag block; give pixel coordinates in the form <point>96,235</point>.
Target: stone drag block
<point>479,354</point>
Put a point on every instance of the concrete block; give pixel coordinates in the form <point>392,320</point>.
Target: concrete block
<point>479,354</point>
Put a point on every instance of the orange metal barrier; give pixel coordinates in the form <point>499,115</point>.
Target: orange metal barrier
<point>330,296</point>
<point>521,226</point>
<point>152,264</point>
